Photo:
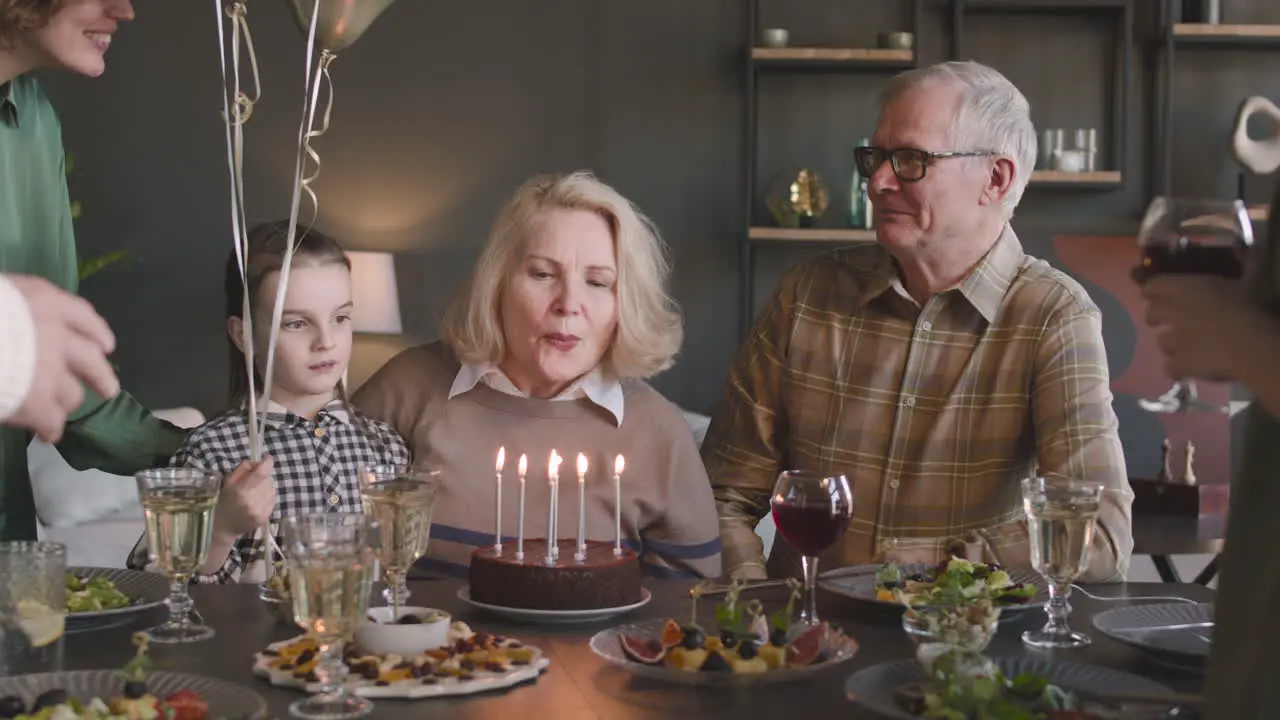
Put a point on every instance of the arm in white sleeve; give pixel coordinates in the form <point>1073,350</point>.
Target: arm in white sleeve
<point>17,348</point>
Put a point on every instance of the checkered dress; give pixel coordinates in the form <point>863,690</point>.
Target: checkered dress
<point>316,466</point>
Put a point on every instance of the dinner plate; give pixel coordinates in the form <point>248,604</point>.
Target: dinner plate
<point>859,582</point>
<point>873,687</point>
<point>147,590</point>
<point>1183,630</point>
<point>607,644</point>
<point>226,700</point>
<point>528,615</point>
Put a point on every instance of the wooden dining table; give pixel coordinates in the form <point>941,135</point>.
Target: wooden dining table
<point>578,684</point>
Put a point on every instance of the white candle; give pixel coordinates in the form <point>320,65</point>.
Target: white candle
<point>551,509</point>
<point>619,464</point>
<point>582,512</point>
<point>523,467</point>
<point>497,525</point>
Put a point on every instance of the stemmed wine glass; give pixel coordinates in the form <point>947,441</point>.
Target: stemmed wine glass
<point>331,558</point>
<point>1192,237</point>
<point>178,505</point>
<point>1061,520</point>
<point>401,498</point>
<point>811,512</point>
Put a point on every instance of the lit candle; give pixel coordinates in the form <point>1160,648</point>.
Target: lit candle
<point>551,509</point>
<point>524,466</point>
<point>582,513</point>
<point>497,525</point>
<point>619,465</point>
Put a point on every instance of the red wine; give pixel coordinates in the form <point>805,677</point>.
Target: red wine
<point>1221,260</point>
<point>811,529</point>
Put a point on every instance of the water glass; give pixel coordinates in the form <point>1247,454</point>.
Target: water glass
<point>401,499</point>
<point>178,506</point>
<point>33,607</point>
<point>331,559</point>
<point>1061,520</point>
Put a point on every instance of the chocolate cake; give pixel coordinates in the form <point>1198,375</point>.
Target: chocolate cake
<point>601,580</point>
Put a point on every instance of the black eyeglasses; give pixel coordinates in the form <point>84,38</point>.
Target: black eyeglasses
<point>909,164</point>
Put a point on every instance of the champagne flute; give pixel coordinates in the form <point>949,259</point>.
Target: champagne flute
<point>1061,520</point>
<point>331,558</point>
<point>401,498</point>
<point>1192,237</point>
<point>178,505</point>
<point>811,512</point>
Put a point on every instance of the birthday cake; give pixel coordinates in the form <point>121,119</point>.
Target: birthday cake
<point>600,580</point>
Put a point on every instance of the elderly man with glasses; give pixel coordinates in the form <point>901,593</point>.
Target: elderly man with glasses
<point>935,368</point>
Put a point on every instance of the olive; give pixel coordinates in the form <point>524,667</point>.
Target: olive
<point>49,698</point>
<point>12,706</point>
<point>693,638</point>
<point>715,662</point>
<point>728,639</point>
<point>409,620</point>
<point>748,649</point>
<point>918,577</point>
<point>135,689</point>
<point>778,637</point>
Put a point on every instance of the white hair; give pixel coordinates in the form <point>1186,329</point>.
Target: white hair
<point>994,116</point>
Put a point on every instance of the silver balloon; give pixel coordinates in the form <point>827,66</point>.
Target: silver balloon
<point>340,22</point>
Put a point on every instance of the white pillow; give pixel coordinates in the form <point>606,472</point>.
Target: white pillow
<point>65,497</point>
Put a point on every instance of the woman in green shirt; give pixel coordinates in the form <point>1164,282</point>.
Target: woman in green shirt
<point>36,237</point>
<point>1229,330</point>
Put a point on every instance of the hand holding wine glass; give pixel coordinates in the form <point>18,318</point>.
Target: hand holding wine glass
<point>812,513</point>
<point>1192,237</point>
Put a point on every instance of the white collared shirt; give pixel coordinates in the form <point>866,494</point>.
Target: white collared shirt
<point>601,389</point>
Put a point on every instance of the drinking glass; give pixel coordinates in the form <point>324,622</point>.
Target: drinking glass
<point>178,505</point>
<point>33,607</point>
<point>811,512</point>
<point>331,558</point>
<point>1061,520</point>
<point>400,498</point>
<point>1188,236</point>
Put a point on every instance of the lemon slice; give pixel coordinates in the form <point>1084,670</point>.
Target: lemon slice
<point>41,623</point>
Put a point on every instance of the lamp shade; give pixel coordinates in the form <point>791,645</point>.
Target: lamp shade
<point>377,300</point>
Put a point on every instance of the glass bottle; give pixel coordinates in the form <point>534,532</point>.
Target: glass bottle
<point>860,210</point>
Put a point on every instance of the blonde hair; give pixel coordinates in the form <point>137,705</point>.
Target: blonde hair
<point>650,329</point>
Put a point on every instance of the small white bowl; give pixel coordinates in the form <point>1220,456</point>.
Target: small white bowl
<point>775,37</point>
<point>381,636</point>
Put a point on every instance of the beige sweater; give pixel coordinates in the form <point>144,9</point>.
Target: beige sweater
<point>668,514</point>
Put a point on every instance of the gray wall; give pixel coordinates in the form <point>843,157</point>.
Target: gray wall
<point>442,108</point>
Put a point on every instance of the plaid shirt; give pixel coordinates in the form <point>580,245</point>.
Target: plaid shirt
<point>934,413</point>
<point>316,467</point>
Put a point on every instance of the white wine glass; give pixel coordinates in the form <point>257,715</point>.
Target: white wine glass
<point>1062,518</point>
<point>178,505</point>
<point>331,559</point>
<point>401,498</point>
<point>1190,236</point>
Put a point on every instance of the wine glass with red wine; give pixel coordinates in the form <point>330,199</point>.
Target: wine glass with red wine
<point>811,512</point>
<point>1188,236</point>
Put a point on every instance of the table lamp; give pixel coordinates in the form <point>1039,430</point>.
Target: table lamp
<point>377,299</point>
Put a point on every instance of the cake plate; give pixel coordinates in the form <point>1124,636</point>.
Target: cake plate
<point>529,615</point>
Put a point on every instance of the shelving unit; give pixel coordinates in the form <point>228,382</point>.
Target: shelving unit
<point>1173,36</point>
<point>1123,11</point>
<point>761,60</point>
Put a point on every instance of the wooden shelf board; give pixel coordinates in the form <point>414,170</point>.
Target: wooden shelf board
<point>833,235</point>
<point>1259,213</point>
<point>832,54</point>
<point>1056,177</point>
<point>1208,30</point>
<point>1031,6</point>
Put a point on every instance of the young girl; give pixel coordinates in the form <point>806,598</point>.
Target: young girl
<point>317,440</point>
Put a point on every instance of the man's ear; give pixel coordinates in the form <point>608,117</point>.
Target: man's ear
<point>235,329</point>
<point>999,182</point>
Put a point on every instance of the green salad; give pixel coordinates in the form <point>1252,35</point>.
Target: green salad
<point>94,594</point>
<point>954,581</point>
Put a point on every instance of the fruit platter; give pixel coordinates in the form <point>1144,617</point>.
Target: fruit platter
<point>132,693</point>
<point>469,661</point>
<point>744,644</point>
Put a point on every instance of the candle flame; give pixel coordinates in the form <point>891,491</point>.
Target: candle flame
<point>524,464</point>
<point>553,465</point>
<point>502,458</point>
<point>582,464</point>
<point>619,464</point>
